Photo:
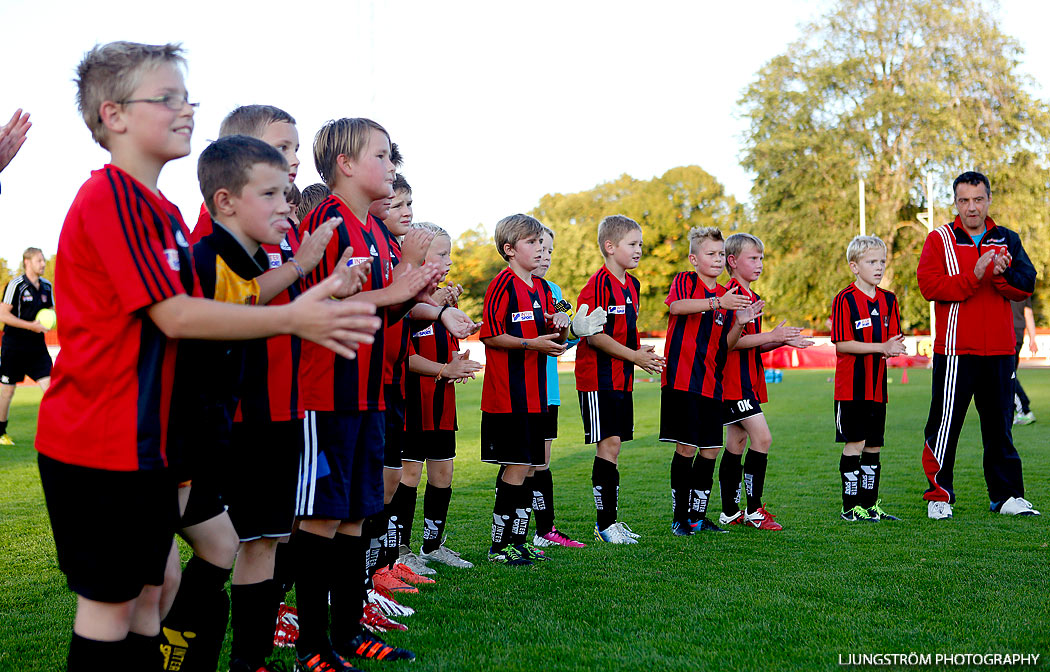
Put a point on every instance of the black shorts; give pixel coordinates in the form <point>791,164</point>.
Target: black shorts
<point>607,413</point>
<point>690,419</point>
<point>113,529</point>
<point>437,445</point>
<point>550,419</point>
<point>395,427</point>
<point>860,421</point>
<point>262,476</point>
<point>341,471</point>
<point>513,438</point>
<point>733,411</point>
<point>20,361</point>
<point>205,501</point>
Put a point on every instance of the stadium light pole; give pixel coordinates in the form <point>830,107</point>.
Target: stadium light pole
<point>926,219</point>
<point>860,199</point>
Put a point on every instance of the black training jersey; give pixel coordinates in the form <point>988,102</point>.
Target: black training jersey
<point>26,300</point>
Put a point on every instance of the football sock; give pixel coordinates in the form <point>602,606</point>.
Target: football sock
<point>703,478</point>
<point>754,478</point>
<point>680,466</point>
<point>869,479</point>
<point>3,430</point>
<point>543,500</point>
<point>91,654</point>
<point>404,506</point>
<point>499,475</point>
<point>849,467</point>
<point>372,531</point>
<point>348,586</point>
<point>605,479</point>
<point>253,614</point>
<point>284,567</point>
<point>145,652</point>
<point>729,471</point>
<point>312,556</point>
<point>435,513</point>
<point>391,538</point>
<point>502,515</point>
<point>522,513</point>
<point>199,615</point>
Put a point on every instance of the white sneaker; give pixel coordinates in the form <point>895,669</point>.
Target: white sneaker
<point>628,531</point>
<point>1024,418</point>
<point>386,605</point>
<point>735,519</point>
<point>939,510</point>
<point>445,556</point>
<point>1017,506</point>
<point>614,534</point>
<point>414,562</point>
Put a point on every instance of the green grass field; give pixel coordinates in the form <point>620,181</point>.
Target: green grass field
<point>748,600</point>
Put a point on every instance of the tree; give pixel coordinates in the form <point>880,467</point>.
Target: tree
<point>887,90</point>
<point>666,207</point>
<point>475,262</point>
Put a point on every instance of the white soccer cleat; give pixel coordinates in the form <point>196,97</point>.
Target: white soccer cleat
<point>588,325</point>
<point>1017,506</point>
<point>445,556</point>
<point>388,606</point>
<point>614,534</point>
<point>414,562</point>
<point>939,510</point>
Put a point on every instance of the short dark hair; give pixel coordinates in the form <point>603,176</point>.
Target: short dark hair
<point>395,155</point>
<point>252,120</point>
<point>312,195</point>
<point>401,184</point>
<point>294,196</point>
<point>974,178</point>
<point>227,164</point>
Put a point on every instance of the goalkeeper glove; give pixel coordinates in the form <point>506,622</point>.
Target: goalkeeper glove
<point>587,325</point>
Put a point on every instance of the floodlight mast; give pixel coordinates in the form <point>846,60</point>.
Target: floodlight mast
<point>926,219</point>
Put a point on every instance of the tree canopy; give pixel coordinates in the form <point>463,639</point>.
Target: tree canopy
<point>666,207</point>
<point>888,90</point>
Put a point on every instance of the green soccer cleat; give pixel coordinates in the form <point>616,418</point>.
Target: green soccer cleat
<point>858,513</point>
<point>877,513</point>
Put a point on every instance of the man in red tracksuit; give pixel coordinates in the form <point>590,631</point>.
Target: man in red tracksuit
<point>973,268</point>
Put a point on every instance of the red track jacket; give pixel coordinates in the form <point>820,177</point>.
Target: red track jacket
<point>973,316</point>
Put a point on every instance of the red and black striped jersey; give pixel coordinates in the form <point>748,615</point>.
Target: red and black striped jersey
<point>697,344</point>
<point>743,376</point>
<point>122,249</point>
<point>595,369</point>
<point>396,329</point>
<point>515,381</point>
<point>271,370</point>
<point>328,381</point>
<point>203,227</point>
<point>855,316</point>
<point>429,404</point>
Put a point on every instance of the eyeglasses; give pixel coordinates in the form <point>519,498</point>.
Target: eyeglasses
<point>172,101</point>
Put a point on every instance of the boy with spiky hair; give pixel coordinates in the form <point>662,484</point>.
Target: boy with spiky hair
<point>866,331</point>
<point>520,326</point>
<point>605,364</point>
<point>705,322</point>
<point>312,195</point>
<point>743,392</point>
<point>124,258</point>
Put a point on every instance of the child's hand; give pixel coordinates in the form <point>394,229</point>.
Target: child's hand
<point>800,342</point>
<point>733,301</point>
<point>414,282</point>
<point>559,320</point>
<point>353,276</point>
<point>312,248</point>
<point>449,295</point>
<point>461,366</point>
<point>340,326</point>
<point>546,345</point>
<point>749,313</point>
<point>646,358</point>
<point>459,323</point>
<point>415,245</point>
<point>894,347</point>
<point>783,333</point>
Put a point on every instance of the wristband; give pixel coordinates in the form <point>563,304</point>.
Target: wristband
<point>438,377</point>
<point>298,268</point>
<point>715,304</point>
<point>443,309</point>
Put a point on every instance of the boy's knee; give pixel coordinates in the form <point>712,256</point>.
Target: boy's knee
<point>684,450</point>
<point>709,453</point>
